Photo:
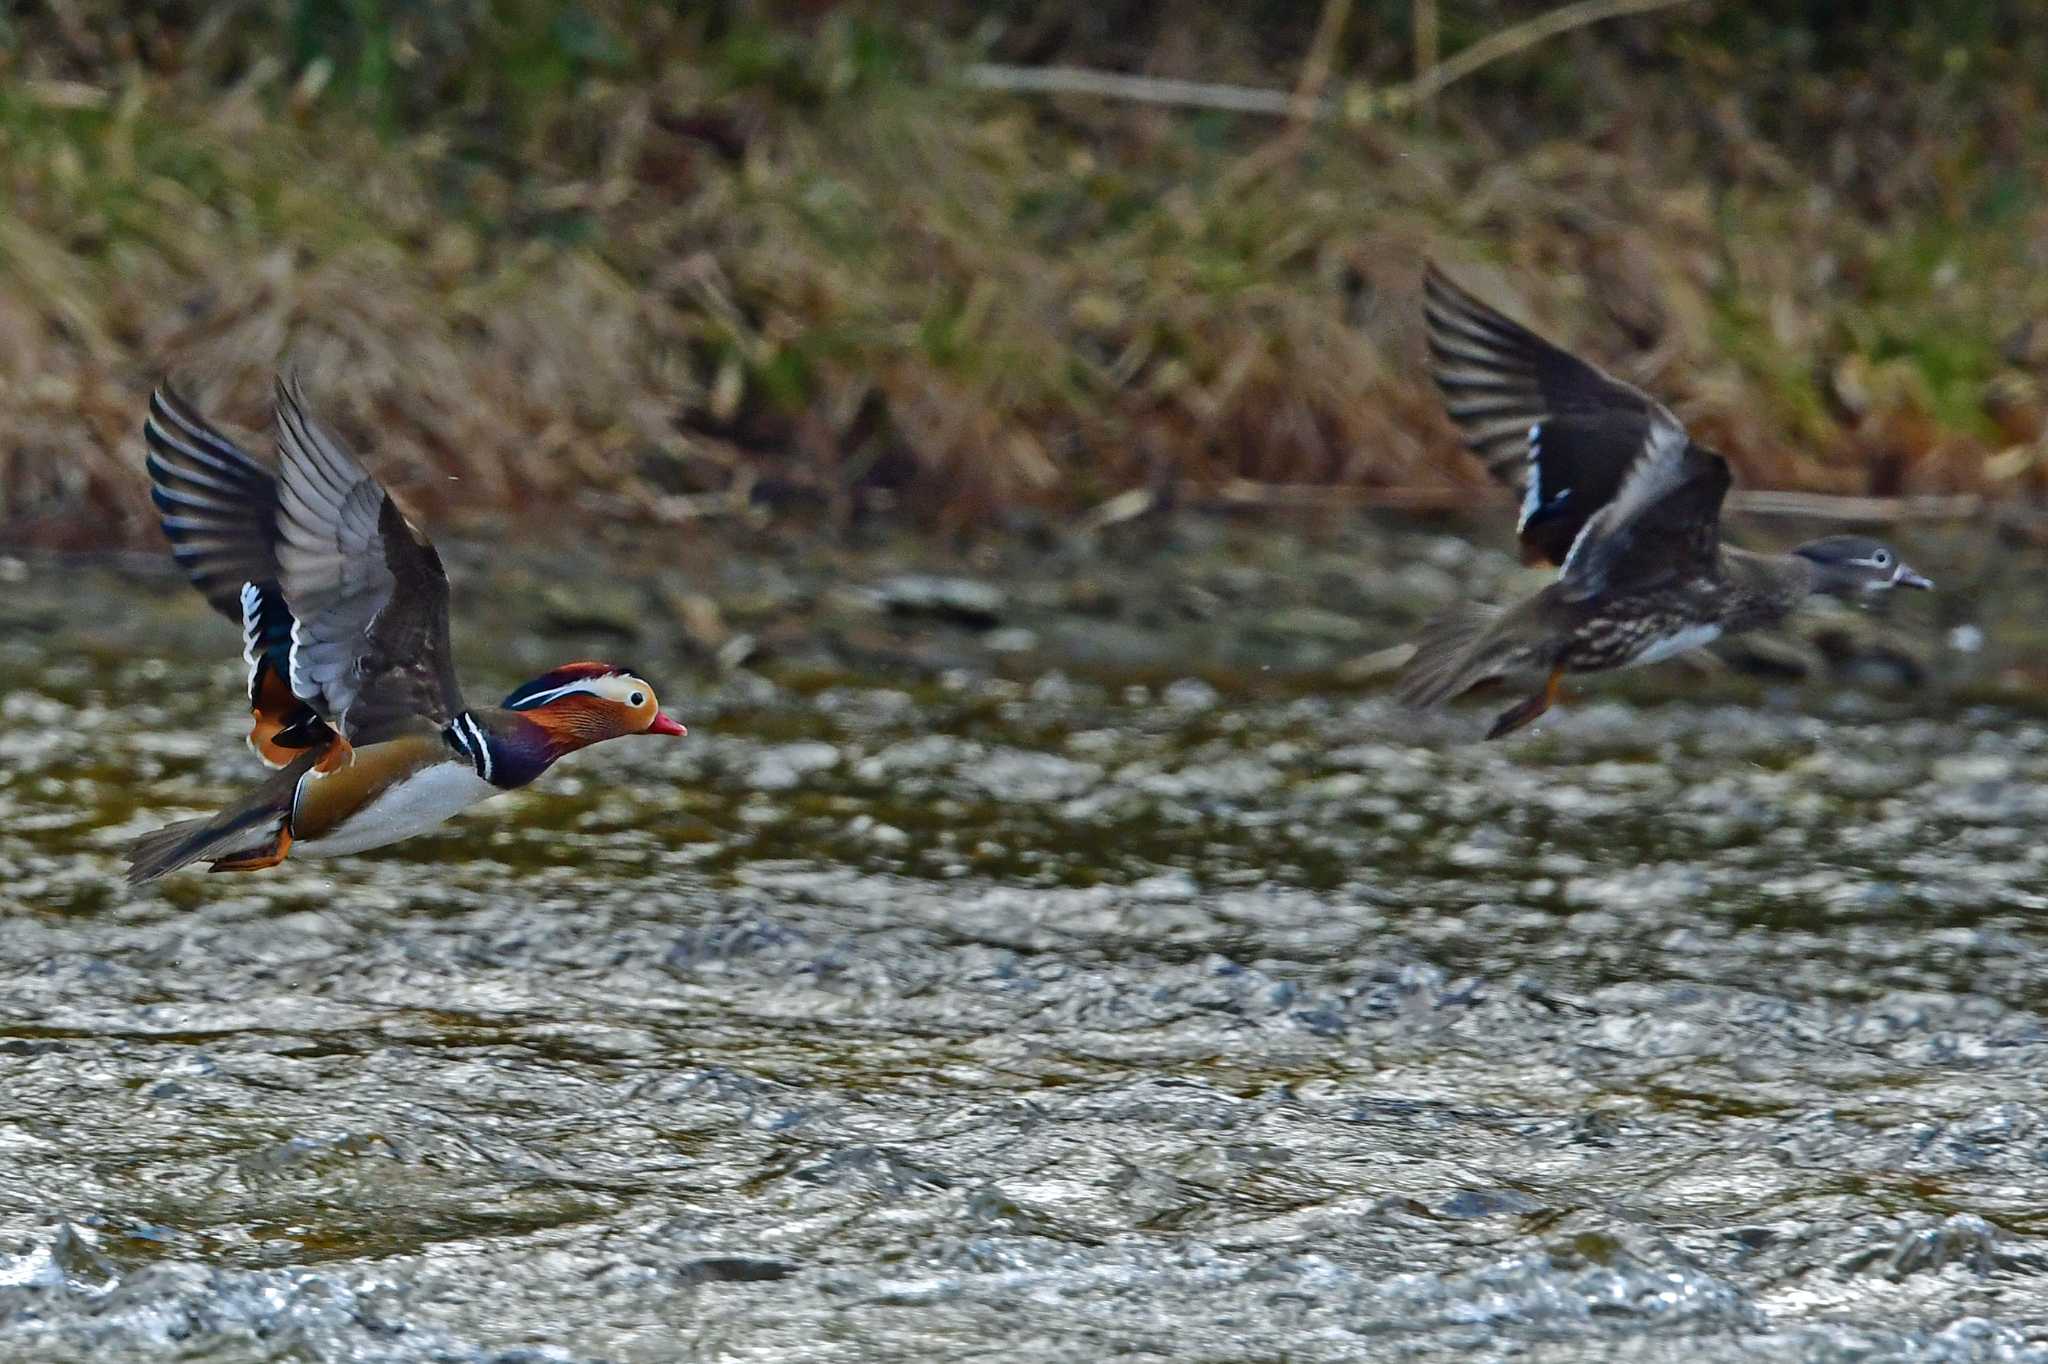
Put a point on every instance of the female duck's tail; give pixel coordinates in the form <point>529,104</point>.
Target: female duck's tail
<point>1457,651</point>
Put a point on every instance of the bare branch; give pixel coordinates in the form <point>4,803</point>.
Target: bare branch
<point>1076,80</point>
<point>1245,99</point>
<point>1509,41</point>
<point>1868,510</point>
<point>1239,492</point>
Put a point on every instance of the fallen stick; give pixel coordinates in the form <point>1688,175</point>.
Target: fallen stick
<point>1508,42</point>
<point>1241,492</point>
<point>1079,80</point>
<point>1249,99</point>
<point>1874,510</point>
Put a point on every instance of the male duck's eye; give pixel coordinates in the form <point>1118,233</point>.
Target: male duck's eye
<point>638,698</point>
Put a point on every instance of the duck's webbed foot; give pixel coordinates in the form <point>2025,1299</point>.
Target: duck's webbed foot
<point>256,859</point>
<point>1516,716</point>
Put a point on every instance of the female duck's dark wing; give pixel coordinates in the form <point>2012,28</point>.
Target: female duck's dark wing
<point>218,508</point>
<point>1544,421</point>
<point>370,650</point>
<point>1663,525</point>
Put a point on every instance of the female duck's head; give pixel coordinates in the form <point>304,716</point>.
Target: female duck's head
<point>1856,565</point>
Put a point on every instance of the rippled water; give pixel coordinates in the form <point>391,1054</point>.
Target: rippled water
<point>1032,1017</point>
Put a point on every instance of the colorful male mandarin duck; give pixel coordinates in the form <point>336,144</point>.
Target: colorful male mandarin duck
<point>344,613</point>
<point>1628,506</point>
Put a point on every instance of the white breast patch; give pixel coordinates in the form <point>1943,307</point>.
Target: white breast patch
<point>426,798</point>
<point>1691,637</point>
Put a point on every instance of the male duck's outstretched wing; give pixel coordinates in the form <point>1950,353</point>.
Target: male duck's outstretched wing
<point>217,504</point>
<point>370,649</point>
<point>1545,422</point>
<point>218,508</point>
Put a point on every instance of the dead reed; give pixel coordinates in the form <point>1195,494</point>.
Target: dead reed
<point>674,266</point>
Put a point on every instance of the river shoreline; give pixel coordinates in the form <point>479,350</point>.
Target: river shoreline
<point>1248,604</point>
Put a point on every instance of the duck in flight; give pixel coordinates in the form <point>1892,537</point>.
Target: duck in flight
<point>1627,505</point>
<point>343,606</point>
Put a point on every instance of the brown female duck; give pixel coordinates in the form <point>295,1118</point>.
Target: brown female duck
<point>1628,506</point>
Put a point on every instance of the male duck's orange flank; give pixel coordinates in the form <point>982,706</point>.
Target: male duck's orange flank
<point>344,613</point>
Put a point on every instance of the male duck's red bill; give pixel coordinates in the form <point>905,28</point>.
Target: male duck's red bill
<point>343,606</point>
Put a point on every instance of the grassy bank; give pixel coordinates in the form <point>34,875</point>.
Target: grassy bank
<point>663,264</point>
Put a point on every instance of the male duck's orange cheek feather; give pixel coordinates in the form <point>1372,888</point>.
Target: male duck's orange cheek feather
<point>577,722</point>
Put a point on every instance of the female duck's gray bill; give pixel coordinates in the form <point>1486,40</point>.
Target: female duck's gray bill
<point>1906,577</point>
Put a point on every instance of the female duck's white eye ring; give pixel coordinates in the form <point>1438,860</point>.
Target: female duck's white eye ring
<point>638,698</point>
<point>1881,559</point>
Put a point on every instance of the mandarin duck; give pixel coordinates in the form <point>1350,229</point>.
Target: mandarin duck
<point>343,607</point>
<point>1623,501</point>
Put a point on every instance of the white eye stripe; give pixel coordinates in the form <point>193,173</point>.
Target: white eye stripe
<point>555,694</point>
<point>614,687</point>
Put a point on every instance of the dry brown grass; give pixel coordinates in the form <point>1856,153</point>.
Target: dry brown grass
<point>714,279</point>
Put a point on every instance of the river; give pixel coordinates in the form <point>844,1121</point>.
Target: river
<point>1040,996</point>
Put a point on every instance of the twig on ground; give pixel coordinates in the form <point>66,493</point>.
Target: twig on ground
<point>1303,107</point>
<point>1426,53</point>
<point>1509,41</point>
<point>1243,492</point>
<point>1245,99</point>
<point>1758,502</point>
<point>1874,510</point>
<point>1077,80</point>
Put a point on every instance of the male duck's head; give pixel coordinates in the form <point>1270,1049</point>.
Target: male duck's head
<point>580,704</point>
<point>1857,566</point>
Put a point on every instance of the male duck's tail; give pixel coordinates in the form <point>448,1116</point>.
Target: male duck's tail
<point>244,837</point>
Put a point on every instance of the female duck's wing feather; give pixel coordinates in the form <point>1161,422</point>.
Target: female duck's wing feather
<point>1664,524</point>
<point>1546,423</point>
<point>218,508</point>
<point>370,650</point>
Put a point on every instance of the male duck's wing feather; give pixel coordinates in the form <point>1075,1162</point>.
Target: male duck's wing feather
<point>218,507</point>
<point>1545,422</point>
<point>1664,524</point>
<point>370,650</point>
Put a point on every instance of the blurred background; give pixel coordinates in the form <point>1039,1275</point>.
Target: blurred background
<point>667,262</point>
<point>1000,432</point>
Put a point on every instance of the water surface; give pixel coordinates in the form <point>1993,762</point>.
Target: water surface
<point>937,1012</point>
